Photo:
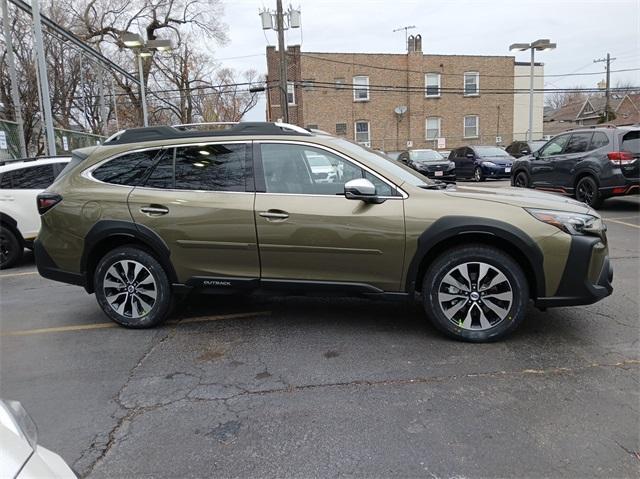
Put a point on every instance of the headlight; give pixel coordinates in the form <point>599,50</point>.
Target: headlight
<point>572,223</point>
<point>15,418</point>
<point>488,163</point>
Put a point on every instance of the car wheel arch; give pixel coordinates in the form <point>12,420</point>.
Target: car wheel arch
<point>7,221</point>
<point>584,173</point>
<point>451,231</point>
<point>107,235</point>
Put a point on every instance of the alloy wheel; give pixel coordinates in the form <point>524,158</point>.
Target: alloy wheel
<point>130,288</point>
<point>477,174</point>
<point>585,192</point>
<point>521,180</point>
<point>5,249</point>
<point>475,296</point>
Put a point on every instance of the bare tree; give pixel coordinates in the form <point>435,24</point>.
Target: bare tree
<point>559,99</point>
<point>229,101</point>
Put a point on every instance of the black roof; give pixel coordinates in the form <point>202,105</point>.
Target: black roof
<point>155,133</point>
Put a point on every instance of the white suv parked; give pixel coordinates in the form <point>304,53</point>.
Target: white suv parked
<point>20,183</point>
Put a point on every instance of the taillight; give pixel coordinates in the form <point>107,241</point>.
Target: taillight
<point>620,157</point>
<point>46,201</point>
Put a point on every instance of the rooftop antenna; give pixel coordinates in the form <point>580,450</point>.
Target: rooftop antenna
<point>406,35</point>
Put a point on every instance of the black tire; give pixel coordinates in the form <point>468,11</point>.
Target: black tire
<point>11,248</point>
<point>477,174</point>
<point>434,284</point>
<point>587,192</point>
<point>131,310</point>
<point>521,180</point>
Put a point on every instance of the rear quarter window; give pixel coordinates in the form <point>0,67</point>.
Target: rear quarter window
<point>631,142</point>
<point>129,169</point>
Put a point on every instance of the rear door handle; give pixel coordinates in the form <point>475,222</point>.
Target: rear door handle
<point>154,210</point>
<point>274,215</point>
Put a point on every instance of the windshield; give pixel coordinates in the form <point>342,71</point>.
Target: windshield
<point>384,163</point>
<point>490,151</point>
<point>425,156</point>
<point>536,145</point>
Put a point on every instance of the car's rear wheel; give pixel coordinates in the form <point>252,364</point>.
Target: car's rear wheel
<point>11,248</point>
<point>587,192</point>
<point>521,180</point>
<point>475,293</point>
<point>132,288</point>
<point>477,174</point>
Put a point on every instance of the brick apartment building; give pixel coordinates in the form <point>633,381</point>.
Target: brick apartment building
<point>458,98</point>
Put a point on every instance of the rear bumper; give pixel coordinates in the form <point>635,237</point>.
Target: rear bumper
<point>48,268</point>
<point>632,187</point>
<point>587,276</point>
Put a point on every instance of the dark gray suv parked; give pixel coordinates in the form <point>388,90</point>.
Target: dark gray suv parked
<point>591,164</point>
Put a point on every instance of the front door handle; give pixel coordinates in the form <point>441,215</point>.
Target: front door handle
<point>154,210</point>
<point>274,215</point>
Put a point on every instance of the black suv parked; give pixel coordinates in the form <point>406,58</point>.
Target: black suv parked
<point>591,164</point>
<point>523,148</point>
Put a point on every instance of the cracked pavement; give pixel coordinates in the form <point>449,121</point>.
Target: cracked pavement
<point>317,387</point>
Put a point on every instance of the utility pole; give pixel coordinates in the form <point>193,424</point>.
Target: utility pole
<point>104,112</point>
<point>44,79</point>
<point>284,100</point>
<point>608,61</point>
<point>13,77</point>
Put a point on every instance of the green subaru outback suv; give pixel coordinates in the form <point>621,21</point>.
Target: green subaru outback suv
<point>157,212</point>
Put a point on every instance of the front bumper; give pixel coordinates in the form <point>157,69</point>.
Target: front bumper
<point>496,171</point>
<point>587,276</point>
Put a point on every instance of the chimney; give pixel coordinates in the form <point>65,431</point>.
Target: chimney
<point>411,44</point>
<point>418,43</point>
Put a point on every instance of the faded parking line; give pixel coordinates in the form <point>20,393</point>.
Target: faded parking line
<point>622,223</point>
<point>17,274</point>
<point>84,327</point>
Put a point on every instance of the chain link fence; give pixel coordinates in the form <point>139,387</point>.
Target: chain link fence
<point>66,141</point>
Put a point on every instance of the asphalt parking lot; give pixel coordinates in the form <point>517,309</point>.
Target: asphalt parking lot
<point>320,387</point>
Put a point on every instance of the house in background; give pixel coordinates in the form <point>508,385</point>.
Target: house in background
<point>397,101</point>
<point>591,111</point>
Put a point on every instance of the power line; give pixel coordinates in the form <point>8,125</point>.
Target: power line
<point>404,70</point>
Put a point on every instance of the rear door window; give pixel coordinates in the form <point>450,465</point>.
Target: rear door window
<point>215,167</point>
<point>211,167</point>
<point>129,169</point>
<point>599,140</point>
<point>30,178</point>
<point>579,143</point>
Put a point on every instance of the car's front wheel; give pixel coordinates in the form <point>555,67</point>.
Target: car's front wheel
<point>132,288</point>
<point>521,180</point>
<point>11,249</point>
<point>475,293</point>
<point>478,175</point>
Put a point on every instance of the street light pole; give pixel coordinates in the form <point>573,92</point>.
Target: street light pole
<point>13,77</point>
<point>540,44</point>
<point>44,80</point>
<point>530,130</point>
<point>143,95</point>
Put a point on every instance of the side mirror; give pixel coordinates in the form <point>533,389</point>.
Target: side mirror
<point>361,189</point>
<point>536,154</point>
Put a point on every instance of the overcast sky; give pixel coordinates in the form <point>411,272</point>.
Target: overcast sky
<point>584,30</point>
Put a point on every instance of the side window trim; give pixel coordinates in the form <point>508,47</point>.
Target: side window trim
<point>88,172</point>
<point>259,171</point>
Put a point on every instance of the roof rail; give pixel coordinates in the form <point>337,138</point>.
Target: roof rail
<point>156,133</point>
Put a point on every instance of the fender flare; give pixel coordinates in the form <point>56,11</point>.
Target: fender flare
<point>449,227</point>
<point>5,219</point>
<point>105,229</point>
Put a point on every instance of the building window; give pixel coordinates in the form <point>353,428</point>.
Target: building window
<point>432,85</point>
<point>433,127</point>
<point>340,83</point>
<point>361,88</point>
<point>312,127</point>
<point>308,84</point>
<point>363,134</point>
<point>471,83</point>
<point>471,128</point>
<point>291,93</point>
<point>341,129</point>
